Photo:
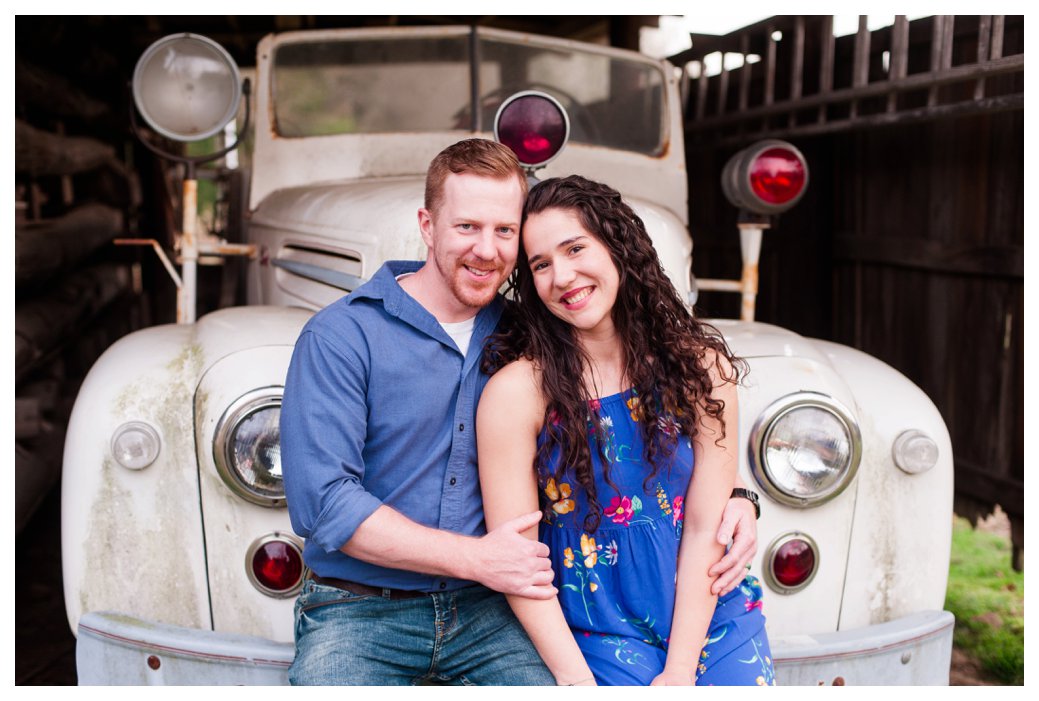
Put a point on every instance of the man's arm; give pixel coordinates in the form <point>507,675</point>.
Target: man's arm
<point>323,428</point>
<point>503,560</point>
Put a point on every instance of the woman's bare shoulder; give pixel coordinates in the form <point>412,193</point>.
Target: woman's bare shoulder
<point>518,376</point>
<point>517,386</point>
<point>718,366</point>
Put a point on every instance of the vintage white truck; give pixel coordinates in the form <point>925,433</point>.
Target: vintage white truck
<point>179,563</point>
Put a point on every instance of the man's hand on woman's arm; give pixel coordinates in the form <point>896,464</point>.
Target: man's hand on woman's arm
<point>739,525</point>
<point>503,560</point>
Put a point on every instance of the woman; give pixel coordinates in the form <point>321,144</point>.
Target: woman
<point>612,391</point>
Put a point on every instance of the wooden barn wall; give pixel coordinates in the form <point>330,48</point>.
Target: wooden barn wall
<point>909,246</point>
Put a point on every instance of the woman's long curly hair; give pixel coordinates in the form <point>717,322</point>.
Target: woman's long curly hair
<point>665,348</point>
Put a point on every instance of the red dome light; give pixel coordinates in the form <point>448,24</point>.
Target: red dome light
<point>777,176</point>
<point>766,178</point>
<point>534,125</point>
<point>277,566</point>
<point>793,563</point>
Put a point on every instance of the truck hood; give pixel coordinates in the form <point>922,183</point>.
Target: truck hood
<point>365,211</point>
<point>754,339</point>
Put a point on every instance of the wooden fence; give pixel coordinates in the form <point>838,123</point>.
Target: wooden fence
<point>909,242</point>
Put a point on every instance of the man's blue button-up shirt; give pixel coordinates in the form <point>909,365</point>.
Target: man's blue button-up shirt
<point>380,408</point>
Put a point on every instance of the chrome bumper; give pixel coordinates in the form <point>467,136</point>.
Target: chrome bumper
<point>113,648</point>
<point>117,649</point>
<point>915,650</point>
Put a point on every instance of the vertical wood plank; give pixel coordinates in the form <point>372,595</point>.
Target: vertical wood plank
<point>937,22</point>
<point>723,87</point>
<point>996,47</point>
<point>744,72</point>
<point>826,42</point>
<point>797,59</point>
<point>899,57</point>
<point>770,65</point>
<point>860,69</point>
<point>984,37</point>
<point>701,90</point>
<point>947,28</point>
<point>860,62</point>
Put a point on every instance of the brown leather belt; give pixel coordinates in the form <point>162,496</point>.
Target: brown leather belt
<point>365,590</point>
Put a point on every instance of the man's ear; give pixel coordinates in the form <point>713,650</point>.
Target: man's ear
<point>425,226</point>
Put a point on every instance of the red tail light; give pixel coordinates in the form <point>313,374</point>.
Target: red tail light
<point>766,178</point>
<point>534,125</point>
<point>275,565</point>
<point>792,562</point>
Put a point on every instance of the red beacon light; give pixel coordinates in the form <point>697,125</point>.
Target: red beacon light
<point>767,178</point>
<point>534,125</point>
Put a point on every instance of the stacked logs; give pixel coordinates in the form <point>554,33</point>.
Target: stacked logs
<point>74,292</point>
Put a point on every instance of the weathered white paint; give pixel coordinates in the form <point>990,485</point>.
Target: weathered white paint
<point>901,537</point>
<point>118,649</point>
<point>817,607</point>
<point>231,524</point>
<point>913,650</point>
<point>132,539</point>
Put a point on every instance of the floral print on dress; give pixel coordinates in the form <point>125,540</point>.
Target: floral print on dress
<point>634,407</point>
<point>583,568</point>
<point>625,653</point>
<point>625,510</point>
<point>616,582</point>
<point>560,496</point>
<point>750,587</point>
<point>620,510</point>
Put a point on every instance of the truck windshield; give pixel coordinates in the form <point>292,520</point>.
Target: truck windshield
<point>417,84</point>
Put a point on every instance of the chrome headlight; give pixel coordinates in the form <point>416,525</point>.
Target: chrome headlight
<point>247,448</point>
<point>805,449</point>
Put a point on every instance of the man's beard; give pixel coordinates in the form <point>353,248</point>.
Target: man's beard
<point>474,294</point>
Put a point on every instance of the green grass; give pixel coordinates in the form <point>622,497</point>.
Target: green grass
<point>987,597</point>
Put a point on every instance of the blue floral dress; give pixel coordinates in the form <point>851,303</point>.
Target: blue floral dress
<point>617,585</point>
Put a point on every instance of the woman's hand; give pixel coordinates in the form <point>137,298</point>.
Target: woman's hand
<point>675,677</point>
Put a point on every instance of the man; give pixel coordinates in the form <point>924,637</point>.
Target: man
<point>379,458</point>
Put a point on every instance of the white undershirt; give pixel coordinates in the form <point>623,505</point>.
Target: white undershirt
<point>461,332</point>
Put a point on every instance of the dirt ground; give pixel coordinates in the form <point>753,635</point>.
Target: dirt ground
<point>45,648</point>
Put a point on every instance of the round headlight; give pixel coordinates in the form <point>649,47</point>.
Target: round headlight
<point>135,445</point>
<point>247,448</point>
<point>805,449</point>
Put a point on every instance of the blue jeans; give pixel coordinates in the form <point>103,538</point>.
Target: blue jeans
<point>468,636</point>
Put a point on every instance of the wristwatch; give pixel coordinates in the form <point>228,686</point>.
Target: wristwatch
<point>752,497</point>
